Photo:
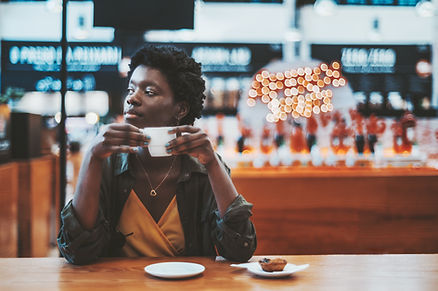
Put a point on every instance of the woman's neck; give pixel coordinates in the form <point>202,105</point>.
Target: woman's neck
<point>150,162</point>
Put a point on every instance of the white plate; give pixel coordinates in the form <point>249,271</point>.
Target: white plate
<point>174,270</point>
<point>288,270</point>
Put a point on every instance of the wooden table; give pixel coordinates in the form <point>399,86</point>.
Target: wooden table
<point>326,272</point>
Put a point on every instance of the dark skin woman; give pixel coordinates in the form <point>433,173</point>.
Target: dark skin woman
<point>165,89</point>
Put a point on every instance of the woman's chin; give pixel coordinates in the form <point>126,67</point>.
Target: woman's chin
<point>140,122</point>
<point>133,121</point>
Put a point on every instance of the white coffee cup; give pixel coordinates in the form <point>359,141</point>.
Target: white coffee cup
<point>160,136</point>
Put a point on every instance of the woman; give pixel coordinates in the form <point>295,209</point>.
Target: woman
<point>128,203</point>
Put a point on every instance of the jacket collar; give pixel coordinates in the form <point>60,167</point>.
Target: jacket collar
<point>121,163</point>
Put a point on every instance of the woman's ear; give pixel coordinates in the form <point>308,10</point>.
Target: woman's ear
<point>183,109</point>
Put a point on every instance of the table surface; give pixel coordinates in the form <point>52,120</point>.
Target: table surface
<point>326,272</point>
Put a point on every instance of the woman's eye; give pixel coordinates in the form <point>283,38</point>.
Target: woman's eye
<point>150,92</point>
<point>130,91</point>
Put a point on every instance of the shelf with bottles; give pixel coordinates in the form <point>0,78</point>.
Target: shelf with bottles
<point>327,140</point>
<point>393,104</point>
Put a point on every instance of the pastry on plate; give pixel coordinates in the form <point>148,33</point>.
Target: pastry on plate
<point>272,265</point>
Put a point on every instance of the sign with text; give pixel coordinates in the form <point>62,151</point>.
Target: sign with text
<point>231,58</point>
<point>402,68</point>
<point>34,66</point>
<point>379,2</point>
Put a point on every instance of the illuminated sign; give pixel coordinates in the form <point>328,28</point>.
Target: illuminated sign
<point>229,58</point>
<point>379,2</point>
<point>35,66</point>
<point>79,58</point>
<point>234,59</point>
<point>382,67</point>
<point>51,84</point>
<point>368,60</point>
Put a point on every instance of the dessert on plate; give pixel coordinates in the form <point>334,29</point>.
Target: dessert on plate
<point>272,265</point>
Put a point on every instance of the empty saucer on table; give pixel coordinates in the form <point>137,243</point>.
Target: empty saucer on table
<point>288,270</point>
<point>174,270</point>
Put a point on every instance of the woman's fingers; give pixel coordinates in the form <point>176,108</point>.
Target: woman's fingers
<point>124,134</point>
<point>186,138</point>
<point>196,146</point>
<point>122,141</point>
<point>200,148</point>
<point>118,138</point>
<point>189,142</point>
<point>184,128</point>
<point>127,132</point>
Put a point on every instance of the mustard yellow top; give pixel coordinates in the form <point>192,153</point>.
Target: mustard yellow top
<point>150,239</point>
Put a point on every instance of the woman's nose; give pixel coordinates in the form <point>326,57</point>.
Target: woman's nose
<point>133,99</point>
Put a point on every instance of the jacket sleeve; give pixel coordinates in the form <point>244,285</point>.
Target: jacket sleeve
<point>78,245</point>
<point>81,246</point>
<point>235,233</point>
<point>235,236</point>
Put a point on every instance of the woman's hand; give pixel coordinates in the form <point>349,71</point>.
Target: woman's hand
<point>192,141</point>
<point>117,138</point>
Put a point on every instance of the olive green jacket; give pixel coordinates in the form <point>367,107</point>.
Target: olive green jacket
<point>233,235</point>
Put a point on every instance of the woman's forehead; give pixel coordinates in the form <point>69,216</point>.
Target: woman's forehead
<point>144,74</point>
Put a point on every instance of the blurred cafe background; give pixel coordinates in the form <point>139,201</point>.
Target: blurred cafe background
<point>326,112</point>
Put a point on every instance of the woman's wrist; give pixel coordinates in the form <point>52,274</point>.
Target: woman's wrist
<point>94,155</point>
<point>214,162</point>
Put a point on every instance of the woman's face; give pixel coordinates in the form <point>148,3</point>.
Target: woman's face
<point>150,101</point>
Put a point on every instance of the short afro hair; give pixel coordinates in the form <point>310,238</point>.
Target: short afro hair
<point>181,71</point>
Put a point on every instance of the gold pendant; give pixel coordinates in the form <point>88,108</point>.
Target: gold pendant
<point>153,193</point>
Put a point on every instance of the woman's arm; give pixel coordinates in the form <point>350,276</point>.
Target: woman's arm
<point>85,233</point>
<point>113,138</point>
<point>192,141</point>
<point>233,232</point>
<point>221,184</point>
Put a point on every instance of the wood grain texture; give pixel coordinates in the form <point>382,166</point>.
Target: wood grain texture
<point>8,210</point>
<point>326,272</point>
<point>343,212</point>
<point>37,179</point>
<point>56,207</point>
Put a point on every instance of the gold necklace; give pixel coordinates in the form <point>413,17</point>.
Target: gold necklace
<point>153,192</point>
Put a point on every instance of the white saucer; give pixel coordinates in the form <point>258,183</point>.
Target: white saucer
<point>288,270</point>
<point>174,270</point>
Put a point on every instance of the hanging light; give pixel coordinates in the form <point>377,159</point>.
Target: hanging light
<point>425,8</point>
<point>123,66</point>
<point>325,7</point>
<point>91,118</point>
<point>54,6</point>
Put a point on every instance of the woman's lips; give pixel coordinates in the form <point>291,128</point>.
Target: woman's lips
<point>131,114</point>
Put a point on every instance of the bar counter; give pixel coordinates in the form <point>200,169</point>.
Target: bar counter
<point>304,210</point>
<point>326,272</point>
<point>29,206</point>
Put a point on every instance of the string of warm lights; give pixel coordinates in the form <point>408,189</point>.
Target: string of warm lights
<point>296,92</point>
